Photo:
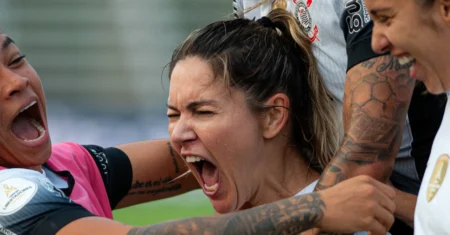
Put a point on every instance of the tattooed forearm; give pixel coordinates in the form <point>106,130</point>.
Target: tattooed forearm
<point>289,216</point>
<point>334,176</point>
<point>153,187</point>
<point>377,96</point>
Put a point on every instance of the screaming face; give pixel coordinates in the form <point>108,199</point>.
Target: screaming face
<point>24,139</point>
<point>417,35</point>
<point>216,133</point>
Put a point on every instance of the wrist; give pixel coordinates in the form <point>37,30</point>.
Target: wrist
<point>318,221</point>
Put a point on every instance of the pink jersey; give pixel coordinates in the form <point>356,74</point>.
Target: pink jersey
<point>89,190</point>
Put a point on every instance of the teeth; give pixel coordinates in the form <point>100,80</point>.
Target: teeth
<point>28,106</point>
<point>405,60</point>
<point>40,129</point>
<point>211,188</point>
<point>193,159</point>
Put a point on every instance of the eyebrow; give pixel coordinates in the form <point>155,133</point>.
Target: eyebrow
<point>7,42</point>
<point>193,105</point>
<point>376,11</point>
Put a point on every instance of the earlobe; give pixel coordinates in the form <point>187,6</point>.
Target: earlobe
<point>276,117</point>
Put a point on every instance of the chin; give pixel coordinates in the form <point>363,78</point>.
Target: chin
<point>435,89</point>
<point>34,160</point>
<point>223,206</point>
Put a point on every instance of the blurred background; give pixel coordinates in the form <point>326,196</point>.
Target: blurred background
<point>102,66</point>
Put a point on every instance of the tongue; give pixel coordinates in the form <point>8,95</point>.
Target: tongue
<point>23,128</point>
<point>210,174</point>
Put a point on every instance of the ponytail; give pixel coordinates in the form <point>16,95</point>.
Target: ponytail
<point>323,126</point>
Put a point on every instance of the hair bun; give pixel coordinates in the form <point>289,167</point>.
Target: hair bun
<point>268,23</point>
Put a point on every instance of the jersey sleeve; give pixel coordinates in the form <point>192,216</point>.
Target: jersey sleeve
<point>115,169</point>
<point>357,28</point>
<point>238,9</point>
<point>31,204</point>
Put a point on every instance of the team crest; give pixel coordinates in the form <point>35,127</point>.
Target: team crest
<point>305,20</point>
<point>15,193</point>
<point>438,176</point>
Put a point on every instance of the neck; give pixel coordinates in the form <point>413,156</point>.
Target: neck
<point>37,168</point>
<point>282,176</point>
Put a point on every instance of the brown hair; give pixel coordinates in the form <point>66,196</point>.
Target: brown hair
<point>263,60</point>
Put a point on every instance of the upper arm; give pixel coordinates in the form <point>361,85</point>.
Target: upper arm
<point>376,98</point>
<point>30,204</point>
<point>377,94</point>
<point>115,169</point>
<point>154,164</point>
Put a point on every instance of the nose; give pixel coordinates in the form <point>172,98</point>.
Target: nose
<point>380,43</point>
<point>182,132</point>
<point>11,83</point>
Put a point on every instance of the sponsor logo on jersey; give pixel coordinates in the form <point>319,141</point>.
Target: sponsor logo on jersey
<point>8,189</point>
<point>356,15</point>
<point>15,193</point>
<point>438,176</point>
<point>305,19</point>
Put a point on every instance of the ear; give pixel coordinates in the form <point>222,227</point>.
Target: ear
<point>276,117</point>
<point>444,10</point>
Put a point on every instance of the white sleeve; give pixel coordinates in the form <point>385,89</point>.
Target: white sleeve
<point>31,204</point>
<point>238,9</point>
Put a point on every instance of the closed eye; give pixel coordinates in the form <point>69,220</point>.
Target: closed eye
<point>382,19</point>
<point>17,60</point>
<point>174,115</point>
<point>206,113</point>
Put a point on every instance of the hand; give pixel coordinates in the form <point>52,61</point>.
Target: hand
<point>405,204</point>
<point>358,204</point>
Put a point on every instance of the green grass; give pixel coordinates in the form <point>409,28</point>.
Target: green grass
<point>188,205</point>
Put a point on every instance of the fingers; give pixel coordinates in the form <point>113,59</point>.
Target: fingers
<point>377,229</point>
<point>385,189</point>
<point>384,217</point>
<point>385,201</point>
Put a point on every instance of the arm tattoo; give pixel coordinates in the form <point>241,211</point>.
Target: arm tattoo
<point>289,216</point>
<point>377,96</point>
<point>174,160</point>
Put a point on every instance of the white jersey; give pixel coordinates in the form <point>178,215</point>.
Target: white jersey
<point>341,34</point>
<point>321,21</point>
<point>433,204</point>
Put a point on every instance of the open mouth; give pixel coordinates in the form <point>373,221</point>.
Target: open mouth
<point>207,171</point>
<point>28,124</point>
<point>408,61</point>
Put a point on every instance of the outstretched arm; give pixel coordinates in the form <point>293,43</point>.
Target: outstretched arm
<point>358,204</point>
<point>154,165</point>
<point>290,216</point>
<point>54,213</point>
